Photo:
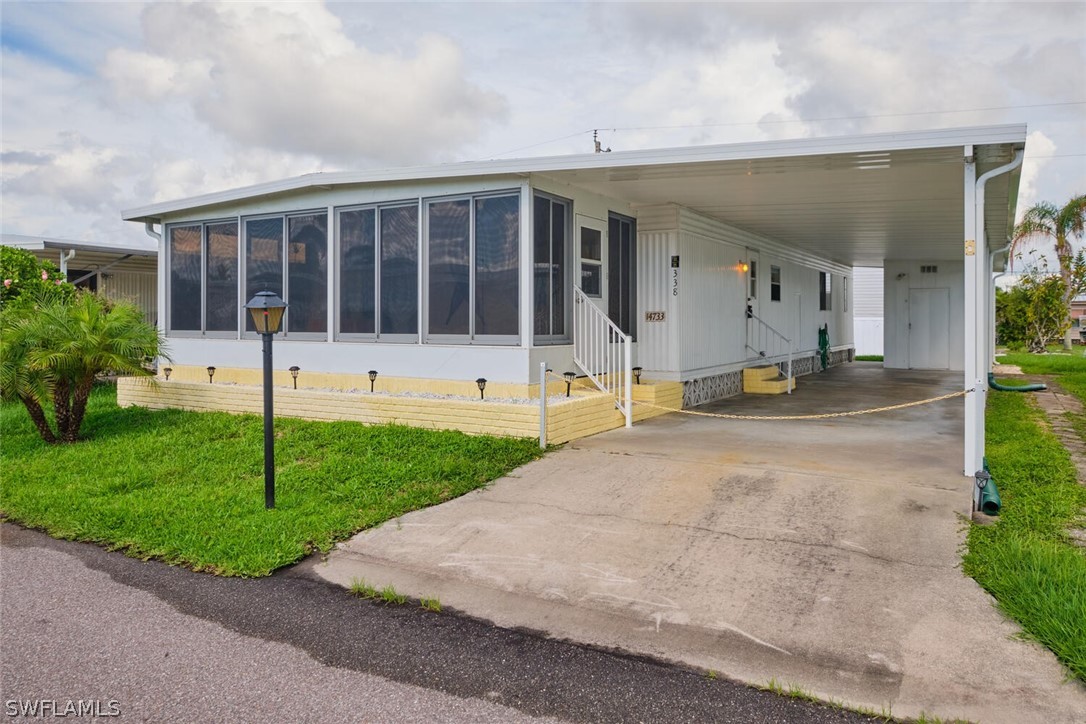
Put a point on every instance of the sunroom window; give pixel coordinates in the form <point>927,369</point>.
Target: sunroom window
<point>288,255</point>
<point>473,247</point>
<point>203,278</point>
<point>378,272</point>
<point>550,250</point>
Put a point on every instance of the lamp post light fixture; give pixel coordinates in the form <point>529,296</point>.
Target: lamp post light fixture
<point>294,370</point>
<point>637,374</point>
<point>267,310</point>
<point>167,371</point>
<point>570,376</point>
<point>373,376</point>
<point>482,386</point>
<point>210,374</point>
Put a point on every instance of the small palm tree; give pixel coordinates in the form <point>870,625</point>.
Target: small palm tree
<point>57,348</point>
<point>1045,220</point>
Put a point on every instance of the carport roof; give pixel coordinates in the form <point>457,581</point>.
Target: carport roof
<point>119,256</point>
<point>857,200</point>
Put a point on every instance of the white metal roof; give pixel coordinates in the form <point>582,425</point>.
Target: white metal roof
<point>41,243</point>
<point>855,199</point>
<point>90,255</point>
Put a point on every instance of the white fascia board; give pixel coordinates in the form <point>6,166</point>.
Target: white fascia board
<point>907,140</point>
<point>41,243</point>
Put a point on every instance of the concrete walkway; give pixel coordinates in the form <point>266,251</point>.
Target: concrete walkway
<point>817,553</point>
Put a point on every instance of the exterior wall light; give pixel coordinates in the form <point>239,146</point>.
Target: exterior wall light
<point>482,386</point>
<point>294,373</point>
<point>210,374</point>
<point>373,376</point>
<point>570,376</point>
<point>167,371</point>
<point>267,310</point>
<point>637,374</point>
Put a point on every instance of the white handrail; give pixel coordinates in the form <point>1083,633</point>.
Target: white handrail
<point>766,337</point>
<point>603,352</point>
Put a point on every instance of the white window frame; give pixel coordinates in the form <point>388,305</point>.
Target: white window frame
<point>376,335</point>
<point>168,236</point>
<point>470,338</point>
<point>567,285</point>
<point>243,275</point>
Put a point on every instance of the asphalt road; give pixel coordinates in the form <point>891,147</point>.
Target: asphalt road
<point>163,644</point>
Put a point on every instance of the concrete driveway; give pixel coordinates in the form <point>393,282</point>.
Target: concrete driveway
<point>823,554</point>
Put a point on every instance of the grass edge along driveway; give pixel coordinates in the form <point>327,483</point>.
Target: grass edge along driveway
<point>188,487</point>
<point>1027,560</point>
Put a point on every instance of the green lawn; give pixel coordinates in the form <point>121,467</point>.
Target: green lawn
<point>188,487</point>
<point>1027,561</point>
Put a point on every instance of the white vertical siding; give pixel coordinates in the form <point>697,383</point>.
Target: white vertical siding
<point>657,342</point>
<point>706,320</point>
<point>868,293</point>
<point>713,323</point>
<point>899,278</point>
<point>136,287</point>
<point>869,334</point>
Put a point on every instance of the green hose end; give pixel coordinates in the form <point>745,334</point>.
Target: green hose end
<point>988,501</point>
<point>990,504</point>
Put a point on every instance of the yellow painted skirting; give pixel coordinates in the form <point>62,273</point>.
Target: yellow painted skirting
<point>585,413</point>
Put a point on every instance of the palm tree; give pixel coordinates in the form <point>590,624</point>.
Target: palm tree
<point>17,380</point>
<point>59,347</point>
<point>1060,224</point>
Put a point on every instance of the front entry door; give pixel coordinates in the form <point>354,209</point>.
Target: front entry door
<point>622,273</point>
<point>929,329</point>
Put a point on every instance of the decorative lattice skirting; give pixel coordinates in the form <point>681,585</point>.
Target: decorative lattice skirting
<point>708,389</point>
<point>717,387</point>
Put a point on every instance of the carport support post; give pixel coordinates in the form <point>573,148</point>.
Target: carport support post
<point>975,265</point>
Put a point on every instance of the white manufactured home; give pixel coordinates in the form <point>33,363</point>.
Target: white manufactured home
<point>691,264</point>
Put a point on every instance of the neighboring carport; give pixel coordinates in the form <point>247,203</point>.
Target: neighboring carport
<point>120,270</point>
<point>821,553</point>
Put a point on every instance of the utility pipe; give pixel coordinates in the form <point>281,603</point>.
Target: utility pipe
<point>149,227</point>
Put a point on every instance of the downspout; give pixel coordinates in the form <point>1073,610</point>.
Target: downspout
<point>149,228</point>
<point>982,372</point>
<point>65,257</point>
<point>992,298</point>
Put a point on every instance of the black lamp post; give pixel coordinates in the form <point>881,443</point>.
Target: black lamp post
<point>482,386</point>
<point>210,374</point>
<point>294,370</point>
<point>637,375</point>
<point>167,370</point>
<point>267,310</point>
<point>570,376</point>
<point>373,376</point>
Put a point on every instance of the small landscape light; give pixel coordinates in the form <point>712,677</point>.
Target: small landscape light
<point>482,386</point>
<point>167,371</point>
<point>570,376</point>
<point>637,375</point>
<point>373,376</point>
<point>210,374</point>
<point>294,370</point>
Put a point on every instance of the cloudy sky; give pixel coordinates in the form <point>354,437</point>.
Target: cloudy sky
<point>107,106</point>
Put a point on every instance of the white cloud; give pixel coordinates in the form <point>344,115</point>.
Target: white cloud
<point>1039,150</point>
<point>286,78</point>
<point>80,175</point>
